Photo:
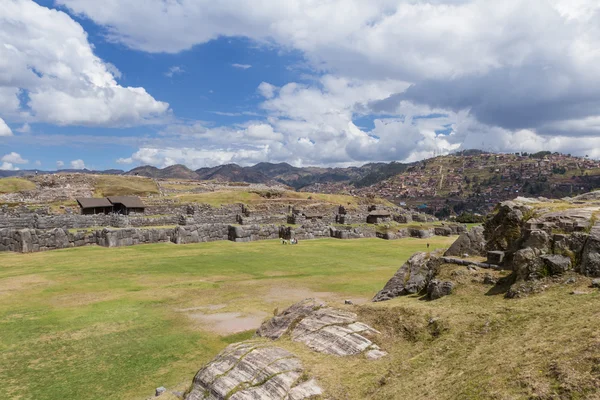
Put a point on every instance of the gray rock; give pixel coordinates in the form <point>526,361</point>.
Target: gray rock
<point>557,264</point>
<point>252,370</point>
<point>527,265</point>
<point>537,240</point>
<point>281,323</point>
<point>323,329</point>
<point>437,289</point>
<point>596,283</point>
<point>495,257</point>
<point>348,302</point>
<point>489,280</point>
<point>571,281</point>
<point>411,278</point>
<point>375,354</point>
<point>159,391</point>
<point>590,256</point>
<point>471,242</point>
<point>579,292</point>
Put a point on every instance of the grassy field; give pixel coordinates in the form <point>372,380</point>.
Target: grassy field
<point>223,197</point>
<point>97,323</point>
<point>111,185</point>
<point>14,185</point>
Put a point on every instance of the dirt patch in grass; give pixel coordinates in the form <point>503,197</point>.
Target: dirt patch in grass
<point>229,322</point>
<point>16,284</point>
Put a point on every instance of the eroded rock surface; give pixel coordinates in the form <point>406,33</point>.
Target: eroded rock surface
<point>413,277</point>
<point>438,289</point>
<point>253,370</point>
<point>471,242</point>
<point>323,329</point>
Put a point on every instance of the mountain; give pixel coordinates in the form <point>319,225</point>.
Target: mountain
<point>233,173</point>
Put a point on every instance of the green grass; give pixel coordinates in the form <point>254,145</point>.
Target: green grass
<point>110,185</point>
<point>97,323</point>
<point>15,185</point>
<point>223,197</point>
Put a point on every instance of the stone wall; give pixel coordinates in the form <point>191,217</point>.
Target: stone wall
<point>200,233</point>
<point>305,232</point>
<point>251,233</point>
<point>352,233</point>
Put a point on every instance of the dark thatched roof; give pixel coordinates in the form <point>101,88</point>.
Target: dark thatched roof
<point>127,201</point>
<point>94,203</point>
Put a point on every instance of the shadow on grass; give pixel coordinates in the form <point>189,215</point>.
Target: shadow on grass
<point>502,285</point>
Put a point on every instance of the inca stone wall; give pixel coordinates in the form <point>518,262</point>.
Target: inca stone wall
<point>200,233</point>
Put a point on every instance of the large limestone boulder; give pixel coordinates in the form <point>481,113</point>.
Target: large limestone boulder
<point>471,243</point>
<point>323,329</point>
<point>503,229</point>
<point>590,256</point>
<point>437,289</point>
<point>411,278</point>
<point>281,323</point>
<point>253,370</point>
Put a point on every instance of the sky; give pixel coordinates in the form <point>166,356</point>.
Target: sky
<point>123,83</point>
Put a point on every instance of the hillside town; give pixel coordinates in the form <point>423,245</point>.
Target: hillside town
<point>476,181</point>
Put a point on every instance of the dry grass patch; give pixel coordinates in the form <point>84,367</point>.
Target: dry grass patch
<point>111,185</point>
<point>15,185</point>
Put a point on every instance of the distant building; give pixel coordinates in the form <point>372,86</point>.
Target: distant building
<point>127,205</point>
<point>124,205</point>
<point>92,206</point>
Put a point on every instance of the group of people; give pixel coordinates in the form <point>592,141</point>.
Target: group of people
<point>292,241</point>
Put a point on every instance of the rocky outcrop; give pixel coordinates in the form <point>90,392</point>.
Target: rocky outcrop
<point>412,278</point>
<point>590,254</point>
<point>323,329</point>
<point>253,370</point>
<point>504,228</point>
<point>437,289</point>
<point>281,323</point>
<point>471,243</point>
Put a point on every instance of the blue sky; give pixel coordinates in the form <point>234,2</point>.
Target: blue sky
<point>117,84</point>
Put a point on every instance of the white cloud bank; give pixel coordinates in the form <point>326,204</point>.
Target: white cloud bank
<point>509,76</point>
<point>77,164</point>
<point>47,63</point>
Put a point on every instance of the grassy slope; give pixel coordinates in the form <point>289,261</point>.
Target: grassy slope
<point>110,185</point>
<point>14,185</point>
<point>102,323</point>
<point>97,323</point>
<point>251,197</point>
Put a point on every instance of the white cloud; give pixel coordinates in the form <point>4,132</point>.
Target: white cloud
<point>128,160</point>
<point>77,164</point>
<point>14,158</point>
<point>241,66</point>
<point>8,167</point>
<point>60,164</point>
<point>26,128</point>
<point>38,163</point>
<point>5,129</point>
<point>47,59</point>
<point>267,90</point>
<point>175,70</point>
<point>507,75</point>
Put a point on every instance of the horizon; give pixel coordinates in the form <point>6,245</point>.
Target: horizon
<point>482,152</point>
<point>97,87</point>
